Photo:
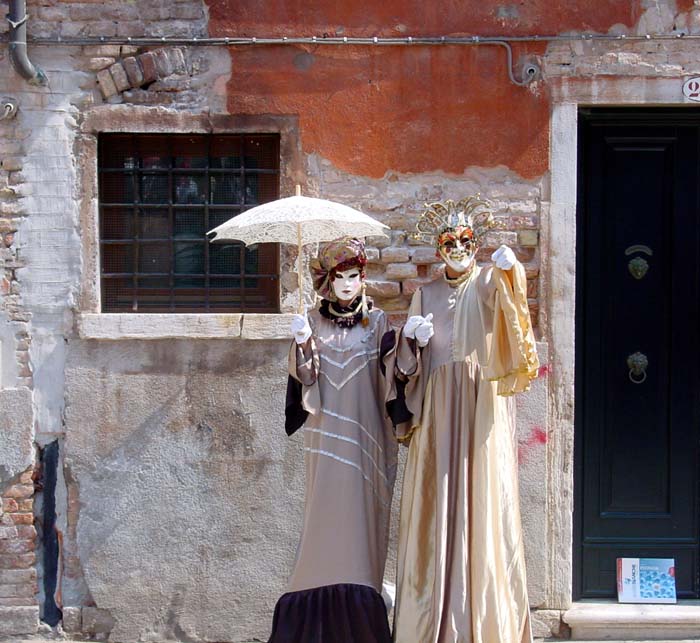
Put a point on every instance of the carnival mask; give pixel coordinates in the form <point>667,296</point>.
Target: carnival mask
<point>457,248</point>
<point>347,284</point>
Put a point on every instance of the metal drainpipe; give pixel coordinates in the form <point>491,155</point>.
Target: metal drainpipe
<point>17,17</point>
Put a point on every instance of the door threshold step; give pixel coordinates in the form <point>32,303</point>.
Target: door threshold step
<point>609,621</point>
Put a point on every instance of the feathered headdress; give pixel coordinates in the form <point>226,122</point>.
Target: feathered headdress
<point>471,212</point>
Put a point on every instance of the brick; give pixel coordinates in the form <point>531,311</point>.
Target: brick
<point>106,83</point>
<point>17,561</point>
<point>4,286</point>
<point>96,64</point>
<point>378,241</point>
<point>10,505</point>
<point>528,237</point>
<point>94,51</point>
<point>532,288</point>
<point>372,255</point>
<point>163,65</point>
<point>12,163</point>
<point>496,239</point>
<point>16,546</point>
<point>19,491</point>
<point>26,532</point>
<point>8,532</point>
<point>148,66</point>
<point>121,82</point>
<point>72,619</point>
<point>424,256</point>
<point>190,11</point>
<point>410,286</point>
<point>26,601</point>
<point>19,620</point>
<point>27,477</point>
<point>17,576</point>
<point>383,288</point>
<point>177,60</point>
<point>435,271</point>
<point>25,590</point>
<point>133,71</point>
<point>401,271</point>
<point>395,254</point>
<point>21,518</point>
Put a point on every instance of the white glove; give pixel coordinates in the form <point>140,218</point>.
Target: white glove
<point>300,329</point>
<point>409,328</point>
<point>504,258</point>
<point>425,331</point>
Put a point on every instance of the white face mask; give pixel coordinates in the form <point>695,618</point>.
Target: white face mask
<point>458,251</point>
<point>347,284</point>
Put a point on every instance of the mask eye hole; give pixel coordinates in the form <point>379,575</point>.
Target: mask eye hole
<point>449,245</point>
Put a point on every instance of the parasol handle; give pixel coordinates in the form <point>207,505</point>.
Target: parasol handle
<point>299,259</point>
<point>298,190</point>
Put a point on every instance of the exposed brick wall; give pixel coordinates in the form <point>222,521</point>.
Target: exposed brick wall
<point>11,213</point>
<point>52,18</point>
<point>398,265</point>
<point>18,586</point>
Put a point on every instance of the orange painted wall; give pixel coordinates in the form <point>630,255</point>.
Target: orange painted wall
<point>375,109</point>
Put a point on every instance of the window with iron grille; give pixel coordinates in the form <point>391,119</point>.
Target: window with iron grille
<point>158,197</point>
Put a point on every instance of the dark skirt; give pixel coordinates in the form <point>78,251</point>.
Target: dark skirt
<point>343,613</point>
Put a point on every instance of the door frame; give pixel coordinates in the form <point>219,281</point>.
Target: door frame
<point>558,282</point>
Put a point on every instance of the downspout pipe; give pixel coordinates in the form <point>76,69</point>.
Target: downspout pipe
<point>17,17</point>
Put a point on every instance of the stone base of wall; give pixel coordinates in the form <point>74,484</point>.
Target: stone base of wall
<point>548,624</point>
<point>15,621</point>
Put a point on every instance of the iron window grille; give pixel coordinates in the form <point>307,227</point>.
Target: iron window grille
<point>158,197</point>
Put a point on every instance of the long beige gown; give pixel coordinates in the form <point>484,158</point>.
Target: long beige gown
<point>461,575</point>
<point>351,455</point>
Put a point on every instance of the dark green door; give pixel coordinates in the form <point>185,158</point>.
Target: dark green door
<point>637,345</point>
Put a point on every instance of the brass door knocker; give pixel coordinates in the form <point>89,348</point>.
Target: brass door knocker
<point>637,363</point>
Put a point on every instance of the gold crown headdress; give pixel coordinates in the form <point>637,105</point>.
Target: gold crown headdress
<point>438,217</point>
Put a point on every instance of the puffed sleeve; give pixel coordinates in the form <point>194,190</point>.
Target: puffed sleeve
<point>303,395</point>
<point>513,361</point>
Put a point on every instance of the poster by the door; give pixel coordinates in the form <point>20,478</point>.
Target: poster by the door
<point>646,580</point>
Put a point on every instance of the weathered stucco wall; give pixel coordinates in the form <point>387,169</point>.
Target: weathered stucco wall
<point>188,495</point>
<point>179,497</point>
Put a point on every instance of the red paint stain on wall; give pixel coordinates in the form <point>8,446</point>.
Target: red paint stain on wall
<point>373,109</point>
<point>537,437</point>
<point>544,371</point>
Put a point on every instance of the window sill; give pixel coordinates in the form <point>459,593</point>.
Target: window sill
<point>116,326</point>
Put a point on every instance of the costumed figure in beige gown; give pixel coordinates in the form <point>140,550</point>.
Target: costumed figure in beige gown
<point>337,392</point>
<point>466,347</point>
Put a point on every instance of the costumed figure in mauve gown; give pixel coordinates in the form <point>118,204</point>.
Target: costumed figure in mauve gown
<point>337,390</point>
<point>466,347</point>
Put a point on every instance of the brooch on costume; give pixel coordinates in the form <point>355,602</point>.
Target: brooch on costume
<point>442,216</point>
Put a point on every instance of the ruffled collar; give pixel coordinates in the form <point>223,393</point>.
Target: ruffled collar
<point>343,316</point>
<point>458,281</point>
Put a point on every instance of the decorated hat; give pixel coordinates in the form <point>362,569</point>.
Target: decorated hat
<point>348,251</point>
<point>471,212</point>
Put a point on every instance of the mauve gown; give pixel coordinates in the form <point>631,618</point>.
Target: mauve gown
<point>461,568</point>
<point>334,593</point>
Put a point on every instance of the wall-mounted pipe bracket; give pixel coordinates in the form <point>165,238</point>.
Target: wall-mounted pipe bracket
<point>8,108</point>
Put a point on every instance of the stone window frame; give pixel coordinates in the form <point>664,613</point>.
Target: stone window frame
<point>94,324</point>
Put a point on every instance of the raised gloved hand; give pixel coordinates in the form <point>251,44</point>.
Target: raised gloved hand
<point>504,258</point>
<point>300,329</point>
<point>425,331</point>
